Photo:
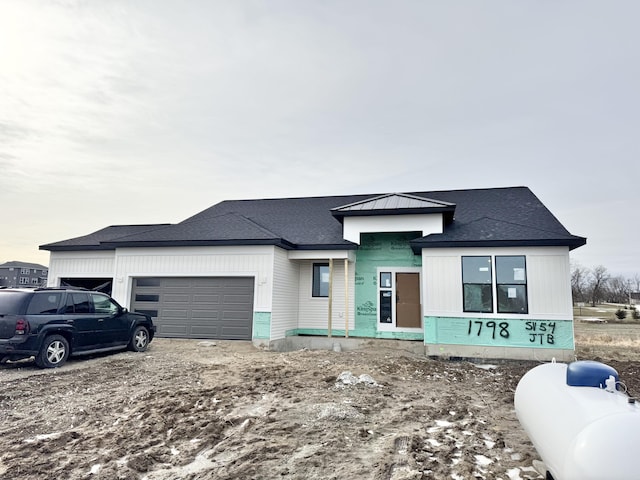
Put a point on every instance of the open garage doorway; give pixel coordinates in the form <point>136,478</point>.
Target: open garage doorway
<point>96,284</point>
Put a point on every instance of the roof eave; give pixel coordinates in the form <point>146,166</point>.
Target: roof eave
<point>280,242</point>
<point>74,248</point>
<point>572,243</point>
<point>327,246</point>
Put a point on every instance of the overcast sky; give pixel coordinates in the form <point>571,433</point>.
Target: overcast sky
<point>148,111</point>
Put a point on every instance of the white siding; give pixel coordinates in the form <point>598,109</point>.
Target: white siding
<point>313,312</point>
<point>549,285</point>
<point>80,264</point>
<point>442,280</point>
<point>284,315</point>
<point>548,280</point>
<point>247,261</point>
<point>354,226</point>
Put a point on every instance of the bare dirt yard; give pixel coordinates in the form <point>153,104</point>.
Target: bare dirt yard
<point>188,409</point>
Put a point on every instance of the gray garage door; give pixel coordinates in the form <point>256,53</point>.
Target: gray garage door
<point>207,307</point>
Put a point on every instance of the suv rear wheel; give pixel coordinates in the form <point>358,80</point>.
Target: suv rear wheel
<point>53,353</point>
<point>139,339</point>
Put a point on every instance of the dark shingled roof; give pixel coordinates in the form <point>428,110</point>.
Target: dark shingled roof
<point>483,217</point>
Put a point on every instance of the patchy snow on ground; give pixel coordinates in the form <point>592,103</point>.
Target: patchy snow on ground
<point>188,410</point>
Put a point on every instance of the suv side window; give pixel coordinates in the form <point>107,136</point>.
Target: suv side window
<point>103,304</point>
<point>44,303</point>
<point>77,303</point>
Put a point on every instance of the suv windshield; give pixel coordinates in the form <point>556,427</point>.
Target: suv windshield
<point>11,303</point>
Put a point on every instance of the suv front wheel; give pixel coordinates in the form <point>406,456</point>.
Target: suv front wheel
<point>139,339</point>
<point>53,353</point>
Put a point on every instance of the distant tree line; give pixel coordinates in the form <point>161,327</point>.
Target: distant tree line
<point>596,285</point>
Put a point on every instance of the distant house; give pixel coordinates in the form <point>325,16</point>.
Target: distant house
<point>22,274</point>
<point>466,273</point>
<point>635,298</point>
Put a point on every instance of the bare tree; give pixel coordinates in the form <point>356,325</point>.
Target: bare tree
<point>579,282</point>
<point>618,289</point>
<point>598,284</point>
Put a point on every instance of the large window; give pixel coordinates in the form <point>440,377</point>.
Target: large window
<point>511,284</point>
<point>320,280</point>
<point>477,284</point>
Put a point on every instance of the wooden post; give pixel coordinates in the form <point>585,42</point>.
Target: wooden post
<point>330,306</point>
<point>346,297</point>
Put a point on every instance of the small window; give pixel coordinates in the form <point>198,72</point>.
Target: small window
<point>25,271</point>
<point>148,282</point>
<point>477,284</point>
<point>24,280</point>
<point>147,298</point>
<point>320,280</point>
<point>385,280</point>
<point>511,284</point>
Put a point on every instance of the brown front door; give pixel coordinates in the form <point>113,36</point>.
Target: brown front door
<point>408,311</point>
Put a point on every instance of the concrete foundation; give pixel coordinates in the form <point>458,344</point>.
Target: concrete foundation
<point>341,344</point>
<point>446,352</point>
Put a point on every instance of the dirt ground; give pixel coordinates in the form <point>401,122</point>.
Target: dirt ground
<point>188,409</point>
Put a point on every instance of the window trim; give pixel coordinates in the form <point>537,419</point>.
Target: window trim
<point>495,286</point>
<point>316,280</point>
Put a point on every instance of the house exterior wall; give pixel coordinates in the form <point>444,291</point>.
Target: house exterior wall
<point>313,312</point>
<point>22,276</point>
<point>425,224</point>
<point>545,331</point>
<point>380,250</point>
<point>247,261</point>
<point>99,264</point>
<point>127,263</point>
<point>286,291</point>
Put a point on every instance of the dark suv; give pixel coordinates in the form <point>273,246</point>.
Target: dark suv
<point>51,324</point>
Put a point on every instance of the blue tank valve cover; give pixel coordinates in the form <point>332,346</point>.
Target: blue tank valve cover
<point>589,373</point>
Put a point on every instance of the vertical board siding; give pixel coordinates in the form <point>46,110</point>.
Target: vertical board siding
<point>80,264</point>
<point>284,314</point>
<point>442,285</point>
<point>549,285</point>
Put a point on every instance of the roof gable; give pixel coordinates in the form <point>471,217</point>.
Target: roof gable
<point>393,204</point>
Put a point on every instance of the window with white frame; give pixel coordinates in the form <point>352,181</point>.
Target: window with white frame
<point>24,280</point>
<point>25,271</point>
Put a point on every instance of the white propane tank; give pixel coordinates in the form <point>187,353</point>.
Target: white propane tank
<point>581,424</point>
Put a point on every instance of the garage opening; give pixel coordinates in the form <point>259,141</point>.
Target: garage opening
<point>197,307</point>
<point>96,284</point>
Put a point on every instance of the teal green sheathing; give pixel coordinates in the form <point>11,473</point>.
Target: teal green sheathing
<point>379,250</point>
<point>262,325</point>
<point>499,332</point>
